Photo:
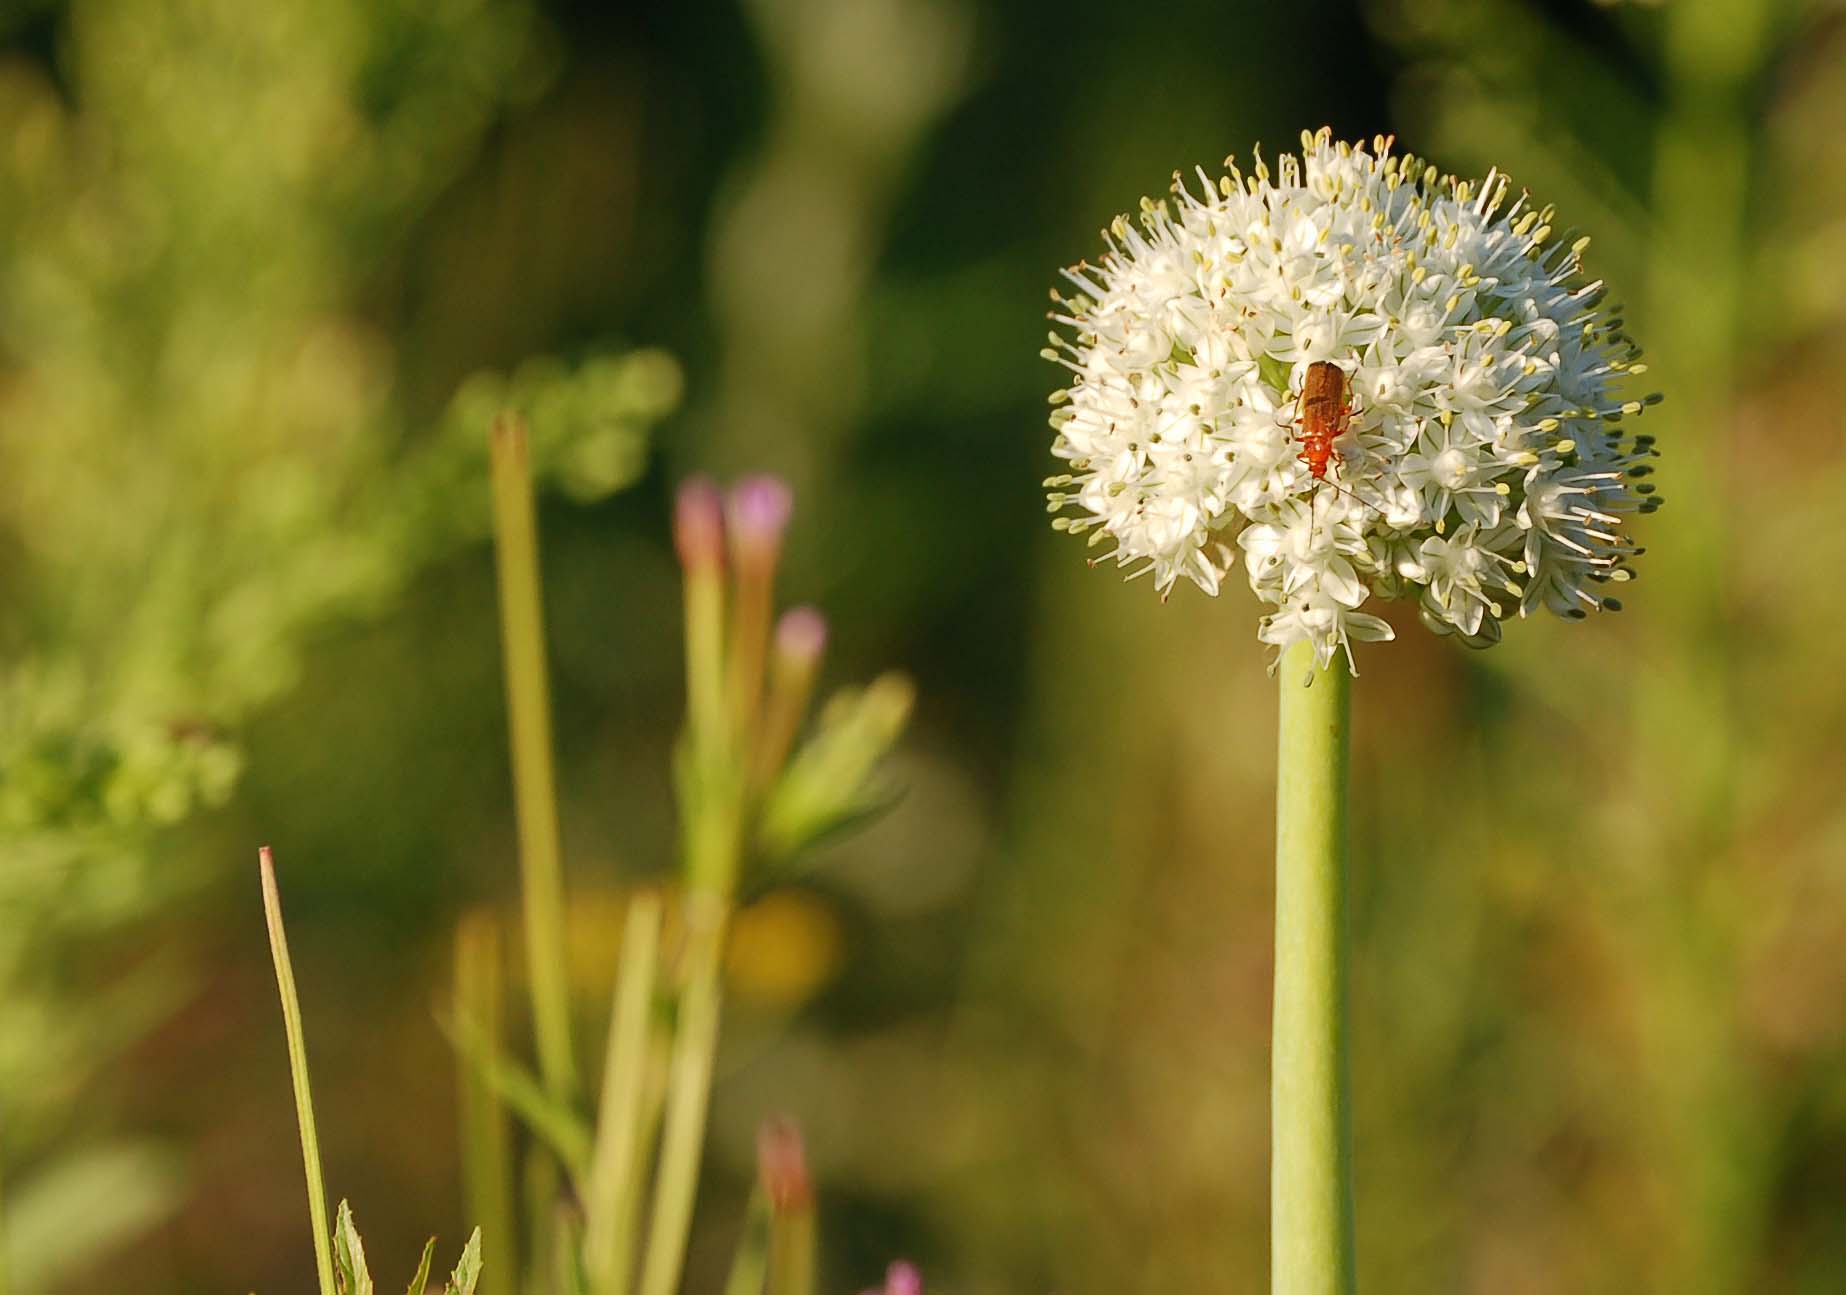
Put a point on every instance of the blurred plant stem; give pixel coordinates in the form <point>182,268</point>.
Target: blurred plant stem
<point>750,1262</point>
<point>534,786</point>
<point>784,1184</point>
<point>486,1132</point>
<point>656,1081</point>
<point>613,1190</point>
<point>298,1071</point>
<point>1718,1158</point>
<point>1702,174</point>
<point>535,804</point>
<point>711,801</point>
<point>6,1270</point>
<point>695,1044</point>
<point>1311,1228</point>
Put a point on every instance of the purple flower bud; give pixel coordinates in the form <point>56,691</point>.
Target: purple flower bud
<point>902,1278</point>
<point>698,524</point>
<point>758,511</point>
<point>801,635</point>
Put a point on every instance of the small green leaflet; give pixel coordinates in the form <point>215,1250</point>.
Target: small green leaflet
<point>468,1270</point>
<point>349,1256</point>
<point>353,1278</point>
<point>421,1280</point>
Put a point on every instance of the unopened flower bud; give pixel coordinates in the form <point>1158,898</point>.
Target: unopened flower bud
<point>901,1278</point>
<point>782,1163</point>
<point>801,636</point>
<point>758,511</point>
<point>698,525</point>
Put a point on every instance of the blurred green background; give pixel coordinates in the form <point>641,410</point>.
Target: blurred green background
<point>266,271</point>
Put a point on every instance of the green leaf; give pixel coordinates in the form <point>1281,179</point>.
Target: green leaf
<point>420,1282</point>
<point>1275,371</point>
<point>349,1268</point>
<point>830,786</point>
<point>467,1268</point>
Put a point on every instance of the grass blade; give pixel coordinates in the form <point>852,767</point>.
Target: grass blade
<point>298,1071</point>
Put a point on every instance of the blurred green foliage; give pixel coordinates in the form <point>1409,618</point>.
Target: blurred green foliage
<point>1600,877</point>
<point>206,462</point>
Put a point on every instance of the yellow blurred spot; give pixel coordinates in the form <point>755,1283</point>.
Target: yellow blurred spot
<point>783,948</point>
<point>593,936</point>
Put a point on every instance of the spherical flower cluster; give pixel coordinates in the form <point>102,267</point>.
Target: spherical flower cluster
<point>1480,466</point>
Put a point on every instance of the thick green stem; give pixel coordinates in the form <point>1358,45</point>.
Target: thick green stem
<point>528,702</point>
<point>298,1071</point>
<point>1311,1201</point>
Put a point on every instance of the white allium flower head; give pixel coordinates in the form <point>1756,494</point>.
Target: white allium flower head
<point>1482,469</point>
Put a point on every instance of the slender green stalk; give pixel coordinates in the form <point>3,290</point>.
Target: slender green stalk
<point>750,641</point>
<point>750,1262</point>
<point>791,1250</point>
<point>1311,1201</point>
<point>522,631</point>
<point>557,1125</point>
<point>688,1096</point>
<point>566,1255</point>
<point>542,1178</point>
<point>486,1130</point>
<point>298,1071</point>
<point>614,1180</point>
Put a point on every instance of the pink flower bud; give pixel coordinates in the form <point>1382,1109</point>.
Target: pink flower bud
<point>782,1163</point>
<point>698,524</point>
<point>801,635</point>
<point>758,511</point>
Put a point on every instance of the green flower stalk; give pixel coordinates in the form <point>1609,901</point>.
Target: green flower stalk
<point>1311,1197</point>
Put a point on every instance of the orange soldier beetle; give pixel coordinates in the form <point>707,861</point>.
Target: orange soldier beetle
<point>1325,411</point>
